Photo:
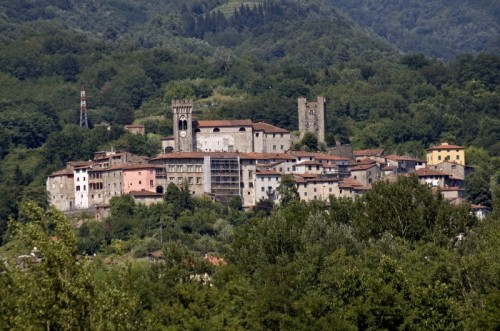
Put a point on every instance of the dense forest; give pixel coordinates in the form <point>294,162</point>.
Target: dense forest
<point>442,29</point>
<point>249,60</point>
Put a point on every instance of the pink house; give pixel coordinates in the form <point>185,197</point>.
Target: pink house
<point>139,177</point>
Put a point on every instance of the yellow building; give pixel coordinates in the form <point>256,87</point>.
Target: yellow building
<point>445,152</point>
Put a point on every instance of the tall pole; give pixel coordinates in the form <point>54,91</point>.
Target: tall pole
<point>83,109</point>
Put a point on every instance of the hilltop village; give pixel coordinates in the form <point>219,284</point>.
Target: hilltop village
<point>225,159</point>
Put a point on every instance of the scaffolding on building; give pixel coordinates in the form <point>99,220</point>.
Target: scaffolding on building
<point>225,178</point>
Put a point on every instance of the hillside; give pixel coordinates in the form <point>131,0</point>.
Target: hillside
<point>441,29</point>
<point>133,57</point>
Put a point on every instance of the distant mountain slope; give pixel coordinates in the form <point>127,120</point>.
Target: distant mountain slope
<point>438,28</point>
<point>293,32</point>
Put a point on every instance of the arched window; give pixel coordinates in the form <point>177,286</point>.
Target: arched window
<point>182,125</point>
<point>216,130</point>
<point>311,112</point>
<point>169,149</point>
<point>242,129</point>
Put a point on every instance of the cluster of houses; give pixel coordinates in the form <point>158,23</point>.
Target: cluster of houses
<point>90,185</point>
<point>225,159</point>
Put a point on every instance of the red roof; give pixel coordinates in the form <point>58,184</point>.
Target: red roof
<point>363,167</point>
<point>352,184</point>
<point>268,128</point>
<point>309,163</point>
<point>393,157</point>
<point>429,172</point>
<point>369,152</point>
<point>63,172</point>
<point>244,156</point>
<point>444,146</point>
<point>222,123</point>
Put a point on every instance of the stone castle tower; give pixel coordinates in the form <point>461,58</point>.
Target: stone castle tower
<point>183,125</point>
<point>312,117</point>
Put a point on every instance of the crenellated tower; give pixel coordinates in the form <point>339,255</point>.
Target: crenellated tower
<point>183,125</point>
<point>312,117</point>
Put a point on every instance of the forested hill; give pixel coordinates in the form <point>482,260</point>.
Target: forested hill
<point>237,60</point>
<point>439,28</point>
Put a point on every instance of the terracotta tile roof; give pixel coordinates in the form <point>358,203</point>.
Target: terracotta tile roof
<point>362,162</point>
<point>306,176</point>
<point>266,156</point>
<point>244,156</point>
<point>424,172</point>
<point>301,163</point>
<point>363,167</point>
<point>80,164</point>
<point>393,157</point>
<point>63,172</point>
<point>444,146</point>
<point>369,152</point>
<point>322,179</point>
<point>318,156</point>
<point>221,123</point>
<point>269,165</point>
<point>268,128</point>
<point>129,166</point>
<point>352,184</point>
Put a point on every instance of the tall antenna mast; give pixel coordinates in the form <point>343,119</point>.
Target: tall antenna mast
<point>83,109</point>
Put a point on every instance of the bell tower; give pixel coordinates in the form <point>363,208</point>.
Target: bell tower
<point>312,117</point>
<point>183,125</point>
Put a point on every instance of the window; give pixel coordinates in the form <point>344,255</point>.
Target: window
<point>198,180</point>
<point>151,184</point>
<point>439,157</point>
<point>355,177</point>
<point>305,194</point>
<point>250,185</point>
<point>179,180</point>
<point>262,189</point>
<point>268,179</point>
<point>190,168</point>
<point>330,189</point>
<point>458,157</point>
<point>84,187</point>
<point>274,147</point>
<point>198,168</point>
<point>190,180</point>
<point>282,147</point>
<point>257,134</point>
<point>250,174</point>
<point>140,182</point>
<point>171,168</point>
<point>78,188</point>
<point>314,190</point>
<point>77,179</point>
<point>216,130</point>
<point>171,179</point>
<point>274,135</point>
<point>242,129</point>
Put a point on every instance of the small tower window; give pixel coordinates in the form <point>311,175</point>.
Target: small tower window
<point>242,129</point>
<point>216,130</point>
<point>312,112</point>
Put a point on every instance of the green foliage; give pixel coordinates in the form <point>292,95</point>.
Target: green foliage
<point>287,190</point>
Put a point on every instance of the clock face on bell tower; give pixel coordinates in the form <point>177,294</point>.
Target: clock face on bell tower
<point>182,134</point>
